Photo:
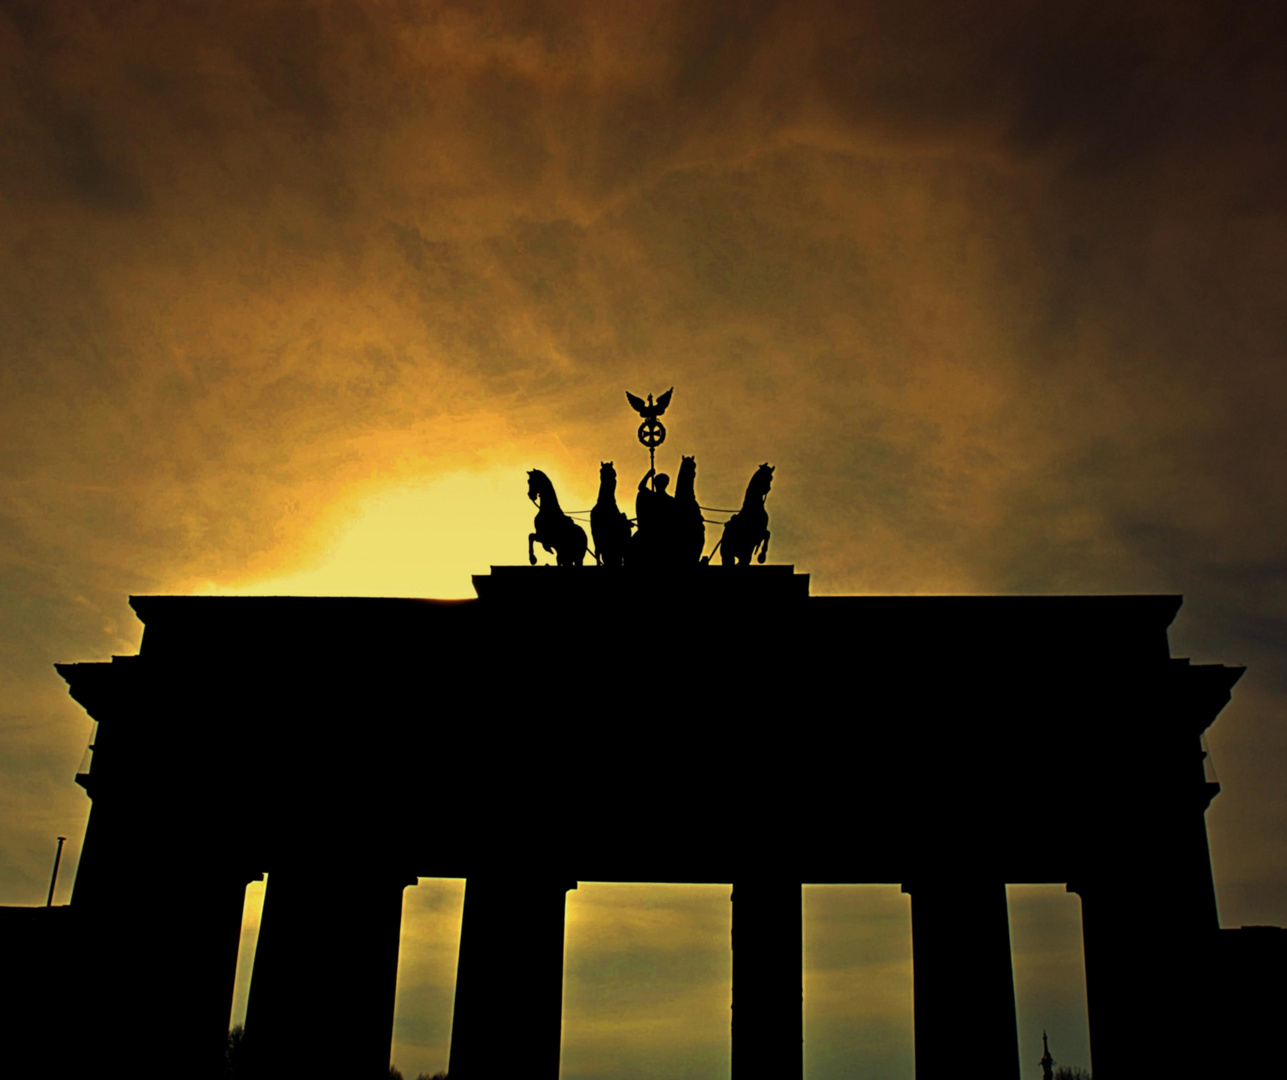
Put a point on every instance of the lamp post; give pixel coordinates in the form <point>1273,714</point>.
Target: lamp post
<point>53,880</point>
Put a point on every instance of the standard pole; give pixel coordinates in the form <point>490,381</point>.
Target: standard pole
<point>58,857</point>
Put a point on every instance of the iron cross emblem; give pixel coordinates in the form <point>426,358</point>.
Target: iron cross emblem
<point>652,433</point>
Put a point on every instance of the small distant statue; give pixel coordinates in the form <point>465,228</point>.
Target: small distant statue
<point>608,525</point>
<point>555,531</point>
<point>748,529</point>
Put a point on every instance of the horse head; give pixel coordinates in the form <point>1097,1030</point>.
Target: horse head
<point>537,484</point>
<point>685,482</point>
<point>760,482</point>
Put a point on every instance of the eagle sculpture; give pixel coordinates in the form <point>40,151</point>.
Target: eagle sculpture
<point>647,409</point>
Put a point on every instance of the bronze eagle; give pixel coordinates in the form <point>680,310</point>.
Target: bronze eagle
<point>648,410</point>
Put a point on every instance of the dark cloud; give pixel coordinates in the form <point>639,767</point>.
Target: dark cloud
<point>998,287</point>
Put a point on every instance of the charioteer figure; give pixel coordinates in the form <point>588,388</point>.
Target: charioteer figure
<point>652,503</point>
<point>654,513</point>
<point>671,532</point>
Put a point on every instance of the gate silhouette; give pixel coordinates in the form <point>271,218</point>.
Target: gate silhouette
<point>765,737</point>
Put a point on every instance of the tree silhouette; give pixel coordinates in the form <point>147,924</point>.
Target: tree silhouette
<point>396,1074</point>
<point>234,1067</point>
<point>1072,1072</point>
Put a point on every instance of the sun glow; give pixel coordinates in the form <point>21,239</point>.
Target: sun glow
<point>424,541</point>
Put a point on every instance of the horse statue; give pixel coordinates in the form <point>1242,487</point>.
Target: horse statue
<point>556,532</point>
<point>608,525</point>
<point>689,539</point>
<point>748,529</point>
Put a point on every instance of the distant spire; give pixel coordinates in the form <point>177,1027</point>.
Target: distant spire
<point>1047,1063</point>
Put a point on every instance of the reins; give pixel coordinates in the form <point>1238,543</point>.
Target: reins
<point>583,517</point>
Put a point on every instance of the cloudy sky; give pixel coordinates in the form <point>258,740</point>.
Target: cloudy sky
<point>294,293</point>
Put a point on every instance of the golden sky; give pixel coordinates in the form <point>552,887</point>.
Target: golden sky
<point>294,293</point>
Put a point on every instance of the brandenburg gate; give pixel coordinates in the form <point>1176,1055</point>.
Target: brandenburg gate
<point>527,739</point>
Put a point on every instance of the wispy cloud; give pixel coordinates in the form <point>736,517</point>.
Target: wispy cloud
<point>999,288</point>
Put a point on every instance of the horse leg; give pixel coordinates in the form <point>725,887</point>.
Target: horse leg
<point>531,551</point>
<point>764,546</point>
<point>727,544</point>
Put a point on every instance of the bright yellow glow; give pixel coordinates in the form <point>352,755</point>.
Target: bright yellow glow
<point>425,540</point>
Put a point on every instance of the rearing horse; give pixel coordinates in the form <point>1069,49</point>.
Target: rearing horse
<point>748,529</point>
<point>608,525</point>
<point>555,531</point>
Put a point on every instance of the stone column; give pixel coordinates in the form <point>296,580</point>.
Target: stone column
<point>200,934</point>
<point>768,981</point>
<point>1146,982</point>
<point>157,937</point>
<point>1150,928</point>
<point>508,1019</point>
<point>325,976</point>
<point>1109,946</point>
<point>157,903</point>
<point>963,979</point>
